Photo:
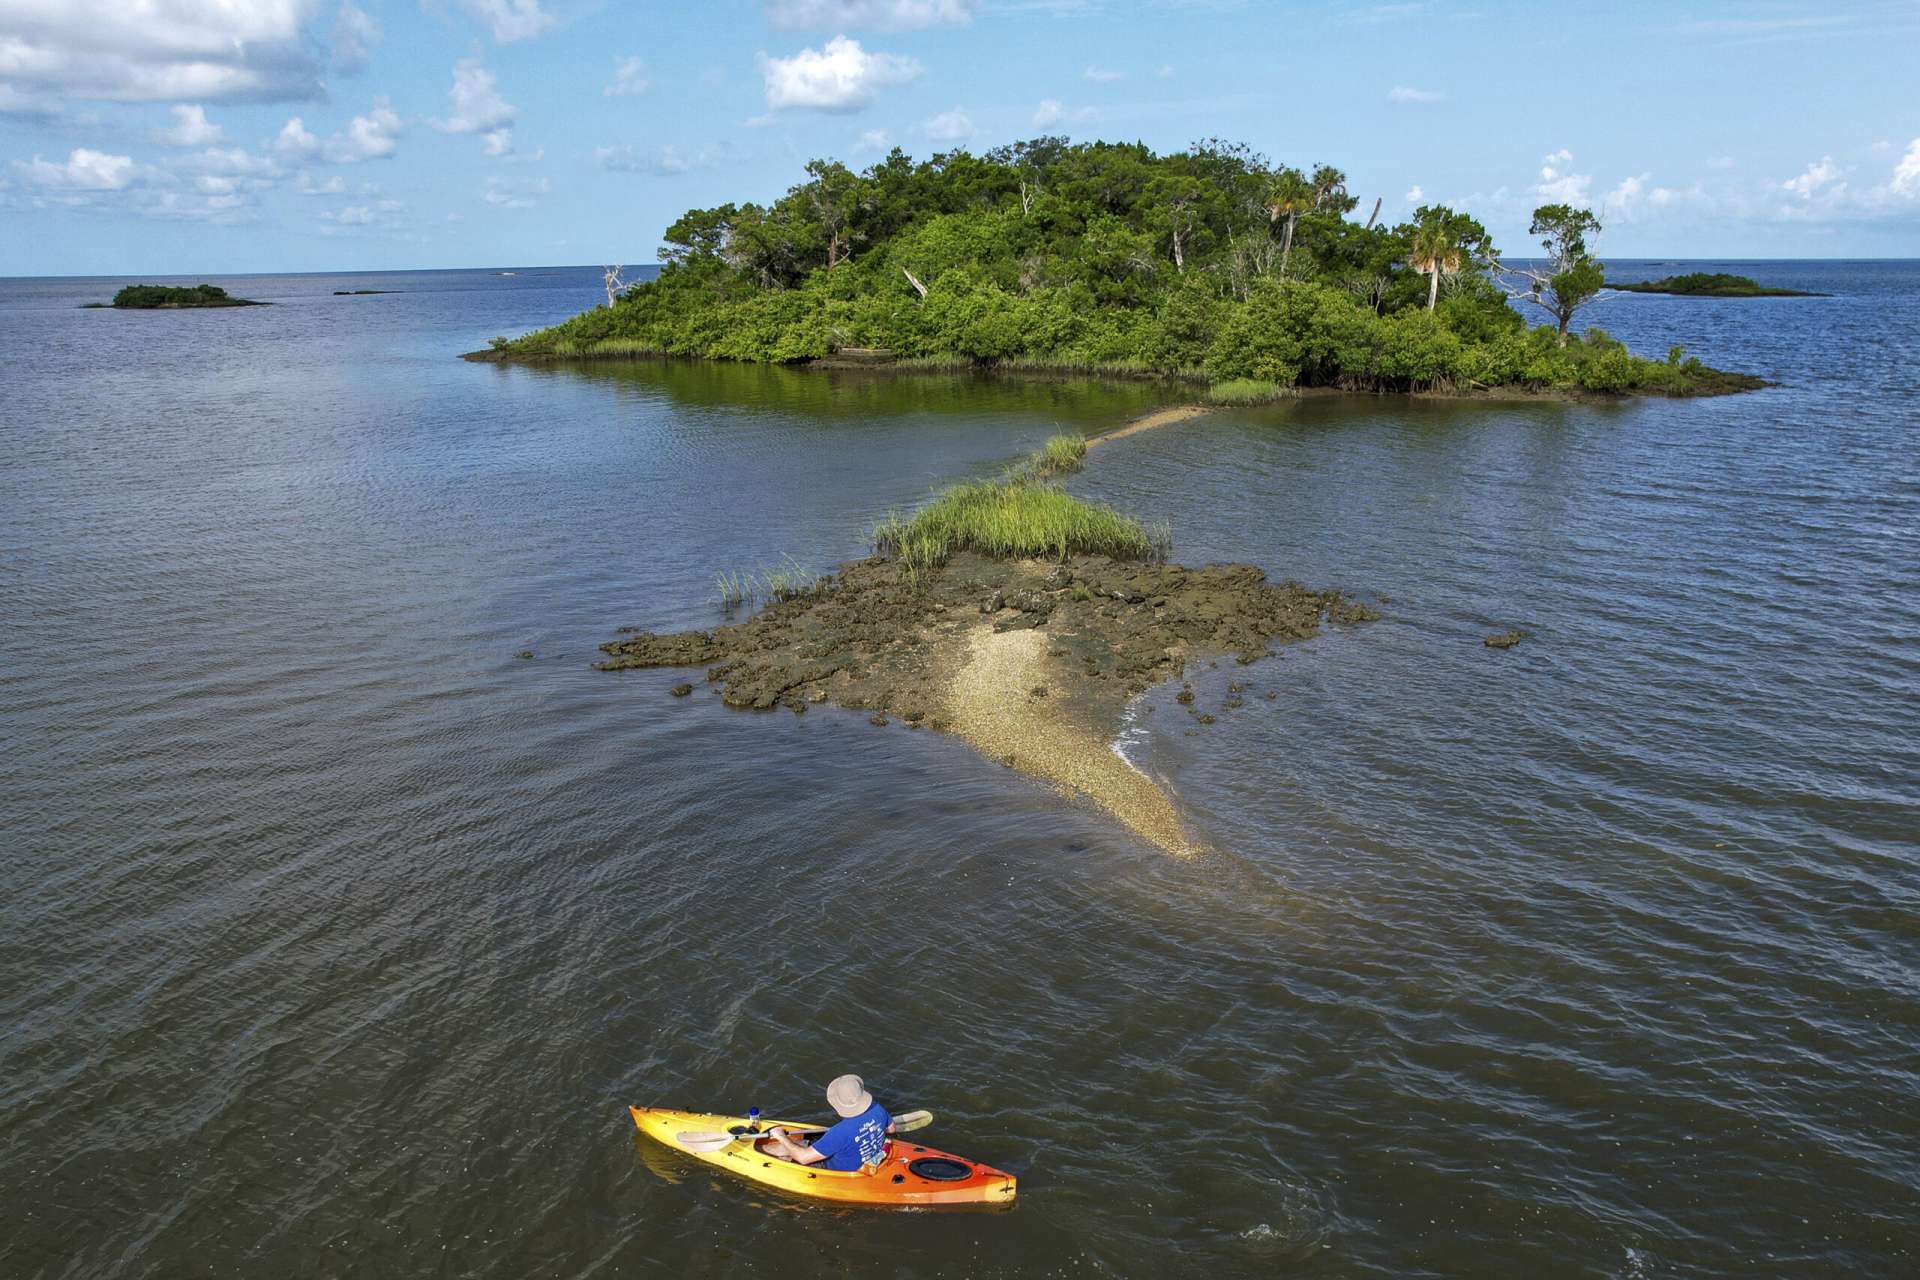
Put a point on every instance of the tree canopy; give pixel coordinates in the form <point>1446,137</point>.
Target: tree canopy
<point>1211,261</point>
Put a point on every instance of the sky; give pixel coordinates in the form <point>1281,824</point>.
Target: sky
<point>152,137</point>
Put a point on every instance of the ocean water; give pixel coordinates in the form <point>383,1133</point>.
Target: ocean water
<point>335,937</point>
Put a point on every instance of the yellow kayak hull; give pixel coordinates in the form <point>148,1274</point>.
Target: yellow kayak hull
<point>896,1182</point>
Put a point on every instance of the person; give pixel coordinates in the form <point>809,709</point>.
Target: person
<point>859,1139</point>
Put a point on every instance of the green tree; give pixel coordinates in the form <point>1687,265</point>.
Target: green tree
<point>1442,244</point>
<point>1573,276</point>
<point>1288,195</point>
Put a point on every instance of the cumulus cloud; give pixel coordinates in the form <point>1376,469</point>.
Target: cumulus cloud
<point>476,101</point>
<point>842,76</point>
<point>368,137</point>
<point>1415,195</point>
<point>83,170</point>
<point>190,128</point>
<point>354,35</point>
<point>883,15</point>
<point>948,126</point>
<point>1103,75</point>
<point>1906,174</point>
<point>873,142</point>
<point>1051,112</point>
<point>1720,162</point>
<point>515,193</point>
<point>510,20</point>
<point>658,162</point>
<point>629,78</point>
<point>1559,183</point>
<point>334,186</point>
<point>1821,173</point>
<point>1404,93</point>
<point>202,50</point>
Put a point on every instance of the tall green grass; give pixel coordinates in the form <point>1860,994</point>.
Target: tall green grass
<point>1014,519</point>
<point>1060,455</point>
<point>1246,391</point>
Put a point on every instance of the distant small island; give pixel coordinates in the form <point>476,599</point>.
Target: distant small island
<point>167,297</point>
<point>355,293</point>
<point>1710,284</point>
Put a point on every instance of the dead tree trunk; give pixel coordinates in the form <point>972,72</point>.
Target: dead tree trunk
<point>915,283</point>
<point>1375,213</point>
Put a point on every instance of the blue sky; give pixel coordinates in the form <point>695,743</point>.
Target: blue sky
<point>213,136</point>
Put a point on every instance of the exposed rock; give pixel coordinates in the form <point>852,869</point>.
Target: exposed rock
<point>1504,640</point>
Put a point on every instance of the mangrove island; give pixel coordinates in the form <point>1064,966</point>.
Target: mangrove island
<point>1710,284</point>
<point>1211,264</point>
<point>167,297</point>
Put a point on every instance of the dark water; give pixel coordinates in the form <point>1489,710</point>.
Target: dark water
<point>334,938</point>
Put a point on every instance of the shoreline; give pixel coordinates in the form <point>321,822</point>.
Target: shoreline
<point>1728,384</point>
<point>1031,663</point>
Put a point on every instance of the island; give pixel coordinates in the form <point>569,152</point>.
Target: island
<point>1710,284</point>
<point>165,297</point>
<point>1010,613</point>
<point>358,293</point>
<point>1211,265</point>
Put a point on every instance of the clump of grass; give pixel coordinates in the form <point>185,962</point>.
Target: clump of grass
<point>1060,455</point>
<point>734,588</point>
<point>791,580</point>
<point>1246,391</point>
<point>1014,519</point>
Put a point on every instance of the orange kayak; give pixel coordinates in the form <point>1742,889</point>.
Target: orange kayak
<point>909,1175</point>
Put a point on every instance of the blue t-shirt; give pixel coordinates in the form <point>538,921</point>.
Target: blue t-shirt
<point>855,1141</point>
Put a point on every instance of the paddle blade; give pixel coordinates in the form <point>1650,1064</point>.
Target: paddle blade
<point>912,1120</point>
<point>706,1142</point>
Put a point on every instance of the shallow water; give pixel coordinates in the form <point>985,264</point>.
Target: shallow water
<point>334,937</point>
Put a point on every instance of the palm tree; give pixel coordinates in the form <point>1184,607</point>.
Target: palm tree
<point>1435,250</point>
<point>1287,195</point>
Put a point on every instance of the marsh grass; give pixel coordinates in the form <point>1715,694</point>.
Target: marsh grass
<point>787,580</point>
<point>1014,519</point>
<point>1060,455</point>
<point>1246,391</point>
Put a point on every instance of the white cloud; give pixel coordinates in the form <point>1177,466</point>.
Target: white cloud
<point>295,142</point>
<point>884,15</point>
<point>515,193</point>
<point>948,126</point>
<point>375,214</point>
<point>629,78</point>
<point>1051,112</point>
<point>839,77</point>
<point>659,162</point>
<point>510,20</point>
<point>1817,175</point>
<point>477,104</point>
<point>1415,195</point>
<point>354,35</point>
<point>368,137</point>
<point>1906,174</point>
<point>84,170</point>
<point>1559,184</point>
<point>190,128</point>
<point>1407,93</point>
<point>156,50</point>
<point>1103,75</point>
<point>1721,162</point>
<point>336,185</point>
<point>873,142</point>
<point>1164,73</point>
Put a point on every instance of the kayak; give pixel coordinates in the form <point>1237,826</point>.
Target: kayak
<point>909,1174</point>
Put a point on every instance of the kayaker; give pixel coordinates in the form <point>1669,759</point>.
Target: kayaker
<point>859,1139</point>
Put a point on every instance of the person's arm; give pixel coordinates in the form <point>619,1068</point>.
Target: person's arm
<point>795,1151</point>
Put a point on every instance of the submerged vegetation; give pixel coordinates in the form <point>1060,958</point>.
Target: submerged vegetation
<point>151,297</point>
<point>1211,263</point>
<point>1711,284</point>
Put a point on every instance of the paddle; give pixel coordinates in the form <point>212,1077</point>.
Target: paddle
<point>704,1142</point>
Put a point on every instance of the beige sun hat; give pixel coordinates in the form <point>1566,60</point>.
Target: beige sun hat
<point>848,1095</point>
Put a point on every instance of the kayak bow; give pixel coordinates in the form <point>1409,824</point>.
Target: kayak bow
<point>909,1175</point>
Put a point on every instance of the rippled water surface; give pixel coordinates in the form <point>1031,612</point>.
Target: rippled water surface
<point>335,938</point>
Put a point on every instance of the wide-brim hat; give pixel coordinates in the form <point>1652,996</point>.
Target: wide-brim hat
<point>848,1095</point>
